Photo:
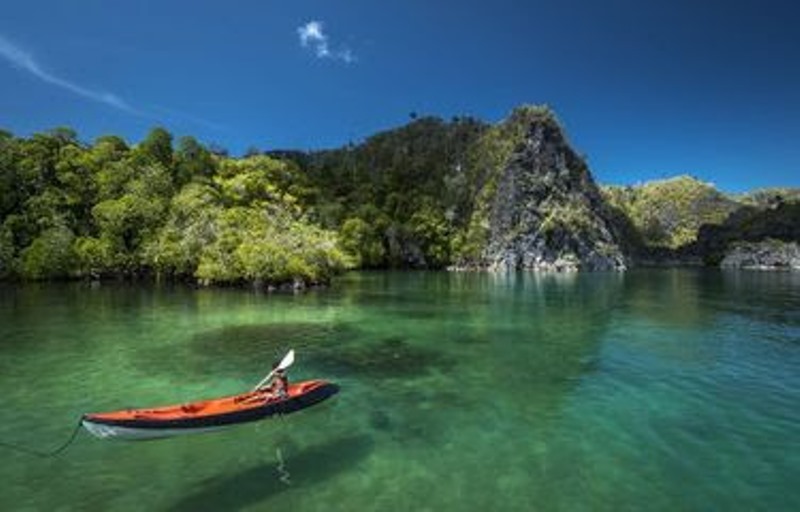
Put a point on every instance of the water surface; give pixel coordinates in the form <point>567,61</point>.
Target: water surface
<point>657,390</point>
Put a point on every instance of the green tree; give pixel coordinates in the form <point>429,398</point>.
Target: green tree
<point>95,257</point>
<point>76,179</point>
<point>10,193</point>
<point>129,222</point>
<point>192,160</point>
<point>50,255</point>
<point>363,242</point>
<point>157,147</point>
<point>268,246</point>
<point>190,228</point>
<point>7,251</point>
<point>429,225</point>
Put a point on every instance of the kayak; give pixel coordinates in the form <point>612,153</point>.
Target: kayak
<point>206,415</point>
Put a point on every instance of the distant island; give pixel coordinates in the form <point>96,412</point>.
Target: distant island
<point>433,194</point>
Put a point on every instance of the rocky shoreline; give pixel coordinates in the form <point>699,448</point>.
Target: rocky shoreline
<point>764,255</point>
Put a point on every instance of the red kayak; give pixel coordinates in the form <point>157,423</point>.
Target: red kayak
<point>206,415</point>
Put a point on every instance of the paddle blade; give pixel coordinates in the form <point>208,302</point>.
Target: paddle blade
<point>287,361</point>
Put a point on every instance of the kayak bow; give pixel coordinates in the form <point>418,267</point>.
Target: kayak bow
<point>206,415</point>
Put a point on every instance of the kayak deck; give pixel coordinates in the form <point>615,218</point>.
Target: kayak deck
<point>206,415</point>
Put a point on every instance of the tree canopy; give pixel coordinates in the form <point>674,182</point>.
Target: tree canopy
<point>107,209</point>
<point>418,196</point>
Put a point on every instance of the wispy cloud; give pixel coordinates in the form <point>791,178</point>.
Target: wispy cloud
<point>171,113</point>
<point>24,61</point>
<point>312,36</point>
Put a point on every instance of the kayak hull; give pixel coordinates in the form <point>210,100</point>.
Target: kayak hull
<point>206,415</point>
<point>104,431</point>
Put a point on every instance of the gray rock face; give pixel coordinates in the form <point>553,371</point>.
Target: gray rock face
<point>765,255</point>
<point>548,213</point>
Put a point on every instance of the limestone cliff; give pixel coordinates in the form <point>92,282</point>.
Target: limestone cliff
<point>547,212</point>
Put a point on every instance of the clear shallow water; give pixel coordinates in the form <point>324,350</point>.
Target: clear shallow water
<point>657,390</point>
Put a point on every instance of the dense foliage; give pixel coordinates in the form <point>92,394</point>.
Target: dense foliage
<point>423,195</point>
<point>683,217</point>
<point>419,195</point>
<point>669,213</point>
<point>400,198</point>
<point>777,221</point>
<point>107,209</point>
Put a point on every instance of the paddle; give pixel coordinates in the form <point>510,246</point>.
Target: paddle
<point>286,362</point>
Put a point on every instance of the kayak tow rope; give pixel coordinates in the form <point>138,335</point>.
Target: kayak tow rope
<point>52,453</point>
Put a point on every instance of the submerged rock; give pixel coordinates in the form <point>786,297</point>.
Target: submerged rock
<point>391,357</point>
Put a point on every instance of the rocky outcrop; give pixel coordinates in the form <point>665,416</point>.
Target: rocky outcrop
<point>765,255</point>
<point>547,212</point>
<point>751,224</point>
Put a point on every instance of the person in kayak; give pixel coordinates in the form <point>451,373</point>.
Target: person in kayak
<point>280,386</point>
<point>280,382</point>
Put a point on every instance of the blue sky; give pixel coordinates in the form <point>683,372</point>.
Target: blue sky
<point>645,89</point>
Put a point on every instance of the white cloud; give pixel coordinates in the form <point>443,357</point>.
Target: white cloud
<point>23,60</point>
<point>312,36</point>
<point>312,32</point>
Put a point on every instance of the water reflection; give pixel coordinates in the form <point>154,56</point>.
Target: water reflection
<point>772,297</point>
<point>673,297</point>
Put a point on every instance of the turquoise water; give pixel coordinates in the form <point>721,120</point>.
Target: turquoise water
<point>656,390</point>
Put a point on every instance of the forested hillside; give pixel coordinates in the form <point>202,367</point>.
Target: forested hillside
<point>669,213</point>
<point>684,218</point>
<point>430,194</point>
<point>433,194</point>
<point>109,210</point>
<point>401,197</point>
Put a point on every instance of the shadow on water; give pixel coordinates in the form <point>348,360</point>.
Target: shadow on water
<point>243,338</point>
<point>335,350</point>
<point>385,358</point>
<point>260,483</point>
<point>239,350</point>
